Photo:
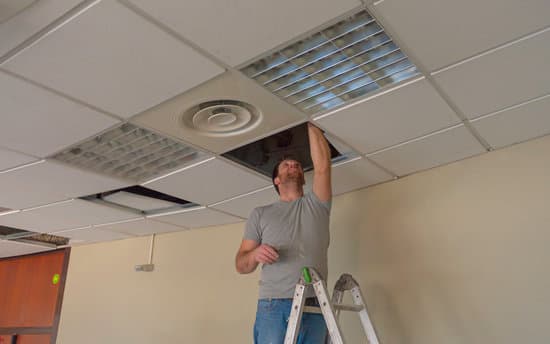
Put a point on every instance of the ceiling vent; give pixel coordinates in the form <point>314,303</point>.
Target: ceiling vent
<point>130,152</point>
<point>140,200</point>
<point>347,60</point>
<point>222,118</point>
<point>263,154</point>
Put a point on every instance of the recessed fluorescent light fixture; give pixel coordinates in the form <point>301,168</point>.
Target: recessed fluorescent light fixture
<point>141,200</point>
<point>347,60</point>
<point>263,154</point>
<point>130,152</point>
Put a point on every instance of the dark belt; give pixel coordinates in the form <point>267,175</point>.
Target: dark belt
<point>312,302</point>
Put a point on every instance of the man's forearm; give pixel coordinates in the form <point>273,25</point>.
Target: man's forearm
<point>245,262</point>
<point>319,149</point>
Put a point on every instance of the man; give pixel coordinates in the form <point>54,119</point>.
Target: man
<point>286,236</point>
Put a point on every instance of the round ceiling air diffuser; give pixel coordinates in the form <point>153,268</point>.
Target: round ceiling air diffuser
<point>222,118</point>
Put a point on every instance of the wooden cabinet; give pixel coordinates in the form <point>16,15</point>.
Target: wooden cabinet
<point>30,296</point>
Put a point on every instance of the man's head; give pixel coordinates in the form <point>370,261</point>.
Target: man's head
<point>287,171</point>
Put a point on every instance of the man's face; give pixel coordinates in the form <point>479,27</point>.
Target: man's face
<point>290,171</point>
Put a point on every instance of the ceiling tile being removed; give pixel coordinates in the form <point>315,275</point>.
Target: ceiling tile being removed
<point>347,60</point>
<point>195,218</point>
<point>131,153</point>
<point>238,30</point>
<point>110,57</point>
<point>430,151</point>
<point>209,182</point>
<point>221,114</point>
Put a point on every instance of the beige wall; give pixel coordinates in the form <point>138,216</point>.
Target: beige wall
<point>457,254</point>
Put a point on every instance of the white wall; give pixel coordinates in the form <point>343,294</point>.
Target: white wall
<point>456,254</point>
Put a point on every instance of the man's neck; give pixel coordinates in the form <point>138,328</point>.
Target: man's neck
<point>289,193</point>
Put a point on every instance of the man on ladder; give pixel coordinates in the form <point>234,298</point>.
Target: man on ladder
<point>286,236</point>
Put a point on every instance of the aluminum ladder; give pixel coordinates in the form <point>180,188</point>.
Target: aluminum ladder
<point>330,309</point>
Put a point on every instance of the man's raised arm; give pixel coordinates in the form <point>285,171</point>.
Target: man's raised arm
<point>320,155</point>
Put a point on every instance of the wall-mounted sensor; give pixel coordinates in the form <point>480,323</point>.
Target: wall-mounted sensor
<point>145,267</point>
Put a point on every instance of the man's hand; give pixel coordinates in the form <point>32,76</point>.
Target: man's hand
<point>265,254</point>
<point>251,254</point>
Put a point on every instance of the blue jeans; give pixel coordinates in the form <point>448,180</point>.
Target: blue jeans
<point>272,319</point>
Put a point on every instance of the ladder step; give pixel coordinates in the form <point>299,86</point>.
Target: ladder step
<point>353,308</point>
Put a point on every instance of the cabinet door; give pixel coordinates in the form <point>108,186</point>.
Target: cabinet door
<point>15,274</point>
<point>41,300</point>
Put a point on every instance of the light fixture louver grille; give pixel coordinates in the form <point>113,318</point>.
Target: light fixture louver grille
<point>344,61</point>
<point>130,152</point>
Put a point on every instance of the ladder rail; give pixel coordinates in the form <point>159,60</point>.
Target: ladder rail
<point>330,309</point>
<point>293,327</point>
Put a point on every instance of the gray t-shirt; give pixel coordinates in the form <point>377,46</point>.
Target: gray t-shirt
<point>299,231</point>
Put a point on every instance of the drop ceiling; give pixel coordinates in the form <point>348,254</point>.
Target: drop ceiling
<point>72,70</point>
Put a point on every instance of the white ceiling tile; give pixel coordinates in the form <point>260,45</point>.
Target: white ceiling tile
<point>127,63</point>
<point>47,182</point>
<point>64,215</point>
<point>12,248</point>
<point>32,19</point>
<point>141,227</point>
<point>9,159</point>
<point>431,151</point>
<point>501,78</point>
<point>168,117</point>
<point>209,182</point>
<point>409,111</point>
<point>517,124</point>
<point>355,175</point>
<point>200,217</point>
<point>243,205</point>
<point>91,234</point>
<point>39,122</point>
<point>446,31</point>
<point>249,27</point>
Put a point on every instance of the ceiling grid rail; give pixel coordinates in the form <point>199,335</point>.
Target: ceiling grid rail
<point>370,6</point>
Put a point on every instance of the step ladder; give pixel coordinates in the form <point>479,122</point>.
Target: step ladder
<point>330,309</point>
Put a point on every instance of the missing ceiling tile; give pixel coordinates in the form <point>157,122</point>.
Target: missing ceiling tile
<point>141,200</point>
<point>263,154</point>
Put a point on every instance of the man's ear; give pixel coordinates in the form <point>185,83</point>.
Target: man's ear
<point>277,181</point>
